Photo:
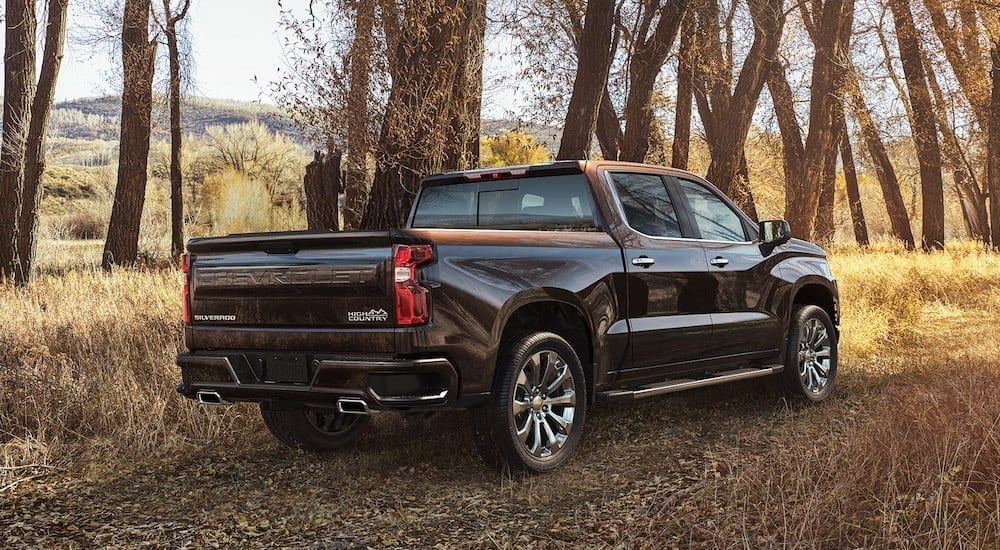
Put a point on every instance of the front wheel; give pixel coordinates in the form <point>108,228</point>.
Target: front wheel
<point>811,357</point>
<point>534,418</point>
<point>314,429</point>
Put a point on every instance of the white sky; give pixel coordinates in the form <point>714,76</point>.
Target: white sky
<point>234,42</point>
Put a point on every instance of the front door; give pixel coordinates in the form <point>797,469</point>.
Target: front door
<point>670,290</point>
<point>746,325</point>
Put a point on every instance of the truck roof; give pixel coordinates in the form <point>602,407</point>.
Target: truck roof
<point>539,169</point>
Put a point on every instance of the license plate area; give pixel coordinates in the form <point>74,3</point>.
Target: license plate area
<point>286,368</point>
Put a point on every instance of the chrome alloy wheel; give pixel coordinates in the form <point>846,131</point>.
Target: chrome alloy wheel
<point>543,403</point>
<point>814,356</point>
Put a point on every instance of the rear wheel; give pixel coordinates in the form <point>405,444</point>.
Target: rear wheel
<point>314,429</point>
<point>534,418</point>
<point>811,358</point>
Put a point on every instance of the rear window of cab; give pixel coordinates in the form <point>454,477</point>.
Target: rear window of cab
<point>552,203</point>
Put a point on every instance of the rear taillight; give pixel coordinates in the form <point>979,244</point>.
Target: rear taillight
<point>411,297</point>
<point>185,263</point>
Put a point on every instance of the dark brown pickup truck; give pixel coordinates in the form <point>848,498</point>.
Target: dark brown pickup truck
<point>522,293</point>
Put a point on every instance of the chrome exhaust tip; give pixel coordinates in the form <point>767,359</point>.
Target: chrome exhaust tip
<point>210,398</point>
<point>352,405</point>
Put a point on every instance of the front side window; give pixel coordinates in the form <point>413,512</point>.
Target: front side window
<point>647,205</point>
<point>715,219</point>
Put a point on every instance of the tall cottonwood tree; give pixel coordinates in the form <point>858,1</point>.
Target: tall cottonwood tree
<point>172,17</point>
<point>923,125</point>
<point>41,107</point>
<point>19,93</point>
<point>593,63</point>
<point>681,146</point>
<point>418,134</point>
<point>726,109</point>
<point>359,59</point>
<point>899,220</point>
<point>26,115</point>
<point>810,166</point>
<point>138,61</point>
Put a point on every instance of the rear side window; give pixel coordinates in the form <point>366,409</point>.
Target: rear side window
<point>715,219</point>
<point>542,203</point>
<point>647,205</point>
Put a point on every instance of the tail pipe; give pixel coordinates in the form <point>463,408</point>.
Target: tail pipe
<point>211,398</point>
<point>352,405</point>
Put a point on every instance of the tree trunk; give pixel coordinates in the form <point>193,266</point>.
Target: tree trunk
<point>972,198</point>
<point>417,136</point>
<point>19,93</point>
<point>680,150</point>
<point>593,64</point>
<point>825,228</point>
<point>176,179</point>
<point>969,66</point>
<point>34,166</point>
<point>853,191</point>
<point>609,128</point>
<point>886,174</point>
<point>731,111</point>
<point>993,148</point>
<point>923,125</point>
<point>793,152</point>
<point>463,147</point>
<point>322,188</point>
<point>833,31</point>
<point>356,184</point>
<point>647,60</point>
<point>138,59</point>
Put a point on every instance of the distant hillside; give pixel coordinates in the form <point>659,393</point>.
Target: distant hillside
<point>97,118</point>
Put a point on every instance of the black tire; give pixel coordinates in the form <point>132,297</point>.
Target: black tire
<point>543,415</point>
<point>796,378</point>
<point>314,429</point>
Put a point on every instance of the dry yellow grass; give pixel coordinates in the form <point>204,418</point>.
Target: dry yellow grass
<point>907,454</point>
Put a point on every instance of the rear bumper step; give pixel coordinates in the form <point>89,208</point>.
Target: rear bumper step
<point>672,386</point>
<point>358,384</point>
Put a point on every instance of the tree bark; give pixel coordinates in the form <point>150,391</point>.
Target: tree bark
<point>176,179</point>
<point>923,125</point>
<point>322,187</point>
<point>463,148</point>
<point>417,135</point>
<point>681,147</point>
<point>609,128</point>
<point>731,110</point>
<point>825,228</point>
<point>886,174</point>
<point>41,107</point>
<point>967,64</point>
<point>19,93</point>
<point>356,185</point>
<point>972,198</point>
<point>138,59</point>
<point>593,64</point>
<point>647,60</point>
<point>802,197</point>
<point>853,191</point>
<point>993,147</point>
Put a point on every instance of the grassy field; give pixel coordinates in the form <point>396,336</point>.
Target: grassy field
<point>97,449</point>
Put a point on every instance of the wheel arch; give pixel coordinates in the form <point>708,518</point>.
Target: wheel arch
<point>817,293</point>
<point>548,311</point>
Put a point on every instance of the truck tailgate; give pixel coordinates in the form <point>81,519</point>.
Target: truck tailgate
<point>320,280</point>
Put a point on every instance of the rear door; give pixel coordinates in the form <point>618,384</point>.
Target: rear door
<point>746,325</point>
<point>669,287</point>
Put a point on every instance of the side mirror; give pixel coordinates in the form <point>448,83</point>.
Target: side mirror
<point>774,232</point>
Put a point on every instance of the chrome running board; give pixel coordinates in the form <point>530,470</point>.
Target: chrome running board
<point>671,386</point>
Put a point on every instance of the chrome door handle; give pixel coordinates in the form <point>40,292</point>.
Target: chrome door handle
<point>643,261</point>
<point>719,261</point>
